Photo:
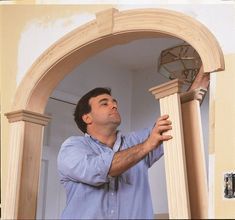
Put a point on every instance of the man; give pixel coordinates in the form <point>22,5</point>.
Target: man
<point>105,173</point>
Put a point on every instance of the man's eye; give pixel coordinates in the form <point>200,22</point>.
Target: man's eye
<point>104,103</point>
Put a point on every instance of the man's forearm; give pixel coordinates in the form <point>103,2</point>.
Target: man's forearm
<point>125,159</point>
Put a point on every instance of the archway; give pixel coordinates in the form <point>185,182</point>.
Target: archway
<point>110,28</point>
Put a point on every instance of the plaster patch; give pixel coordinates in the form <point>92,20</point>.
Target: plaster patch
<point>218,18</point>
<point>211,211</point>
<point>39,34</point>
<point>139,2</point>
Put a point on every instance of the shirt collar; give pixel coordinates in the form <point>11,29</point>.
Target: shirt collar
<point>116,145</point>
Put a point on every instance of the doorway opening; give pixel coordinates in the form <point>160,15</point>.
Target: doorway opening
<point>109,29</point>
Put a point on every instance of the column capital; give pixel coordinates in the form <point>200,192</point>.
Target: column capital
<point>28,116</point>
<point>196,94</point>
<point>166,89</point>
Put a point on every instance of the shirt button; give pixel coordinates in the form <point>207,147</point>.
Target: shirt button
<point>112,193</point>
<point>112,211</point>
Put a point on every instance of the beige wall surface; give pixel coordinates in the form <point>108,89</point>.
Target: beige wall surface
<point>224,135</point>
<point>13,20</point>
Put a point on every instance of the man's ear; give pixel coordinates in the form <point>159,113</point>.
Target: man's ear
<point>87,118</point>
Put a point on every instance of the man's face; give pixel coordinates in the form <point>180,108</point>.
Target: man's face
<point>104,111</point>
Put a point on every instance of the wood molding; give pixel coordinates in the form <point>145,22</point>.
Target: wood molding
<point>105,21</point>
<point>174,152</point>
<point>166,89</point>
<point>161,216</point>
<point>23,170</point>
<point>191,150</point>
<point>195,159</point>
<point>77,46</point>
<point>196,94</point>
<point>11,202</point>
<point>29,116</point>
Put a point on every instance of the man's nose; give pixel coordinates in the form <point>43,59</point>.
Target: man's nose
<point>114,105</point>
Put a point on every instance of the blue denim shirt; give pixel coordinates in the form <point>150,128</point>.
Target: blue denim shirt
<point>84,163</point>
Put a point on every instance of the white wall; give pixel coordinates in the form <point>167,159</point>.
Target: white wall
<point>145,110</point>
<point>97,72</point>
<point>91,74</point>
<point>51,199</point>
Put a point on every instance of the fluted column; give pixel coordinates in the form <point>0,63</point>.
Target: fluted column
<point>174,151</point>
<point>26,131</point>
<point>194,150</point>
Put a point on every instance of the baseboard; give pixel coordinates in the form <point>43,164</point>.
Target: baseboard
<point>161,216</point>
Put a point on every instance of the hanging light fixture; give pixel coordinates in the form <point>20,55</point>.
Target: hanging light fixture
<point>179,62</point>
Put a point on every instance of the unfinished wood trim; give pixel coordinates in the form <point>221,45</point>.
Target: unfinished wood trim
<point>174,152</point>
<point>196,94</point>
<point>11,202</point>
<point>161,216</point>
<point>175,163</point>
<point>31,164</point>
<point>166,89</point>
<point>23,170</point>
<point>169,22</point>
<point>195,159</point>
<point>24,163</point>
<point>105,21</point>
<point>24,115</point>
<point>77,46</point>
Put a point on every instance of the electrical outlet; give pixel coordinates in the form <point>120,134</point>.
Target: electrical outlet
<point>229,185</point>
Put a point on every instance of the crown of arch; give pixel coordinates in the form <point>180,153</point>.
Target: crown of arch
<point>110,28</point>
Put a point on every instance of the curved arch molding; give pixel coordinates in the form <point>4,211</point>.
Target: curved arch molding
<point>111,27</point>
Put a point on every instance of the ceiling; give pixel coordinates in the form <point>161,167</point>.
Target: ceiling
<point>134,56</point>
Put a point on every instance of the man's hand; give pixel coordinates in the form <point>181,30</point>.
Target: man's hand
<point>157,135</point>
<point>127,158</point>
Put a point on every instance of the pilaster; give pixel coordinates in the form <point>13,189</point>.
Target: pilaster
<point>174,152</point>
<point>194,150</point>
<point>26,130</point>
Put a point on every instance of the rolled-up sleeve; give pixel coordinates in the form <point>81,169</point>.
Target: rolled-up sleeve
<point>155,154</point>
<point>77,162</point>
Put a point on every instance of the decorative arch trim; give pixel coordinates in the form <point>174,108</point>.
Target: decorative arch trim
<point>110,28</point>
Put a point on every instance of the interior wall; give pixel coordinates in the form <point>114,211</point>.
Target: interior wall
<point>224,145</point>
<point>51,199</point>
<point>145,111</point>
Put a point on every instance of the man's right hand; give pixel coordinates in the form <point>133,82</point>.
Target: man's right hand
<point>127,158</point>
<point>158,134</point>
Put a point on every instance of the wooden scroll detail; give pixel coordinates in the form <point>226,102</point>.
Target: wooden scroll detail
<point>174,152</point>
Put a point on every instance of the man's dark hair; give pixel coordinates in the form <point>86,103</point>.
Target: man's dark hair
<point>83,107</point>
